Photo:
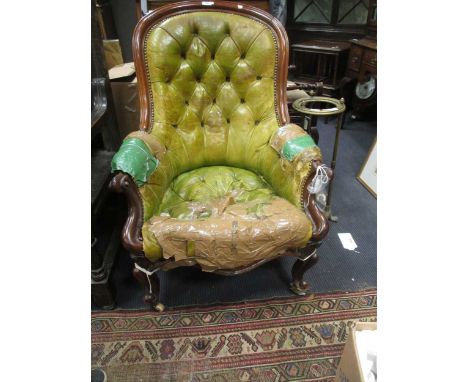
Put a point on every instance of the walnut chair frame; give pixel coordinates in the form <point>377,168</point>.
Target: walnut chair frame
<point>145,271</point>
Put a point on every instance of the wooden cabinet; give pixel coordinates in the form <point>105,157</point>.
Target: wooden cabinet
<point>354,60</point>
<point>370,57</point>
<point>321,61</point>
<point>362,59</point>
<point>359,87</point>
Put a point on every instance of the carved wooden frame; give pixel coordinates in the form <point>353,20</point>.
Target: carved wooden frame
<point>132,238</point>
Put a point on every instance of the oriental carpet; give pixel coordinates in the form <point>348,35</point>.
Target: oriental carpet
<point>283,339</point>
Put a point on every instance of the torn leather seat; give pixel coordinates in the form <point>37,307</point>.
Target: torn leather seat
<point>224,218</point>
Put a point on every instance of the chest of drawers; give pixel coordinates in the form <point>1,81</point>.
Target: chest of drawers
<point>362,59</point>
<point>361,75</point>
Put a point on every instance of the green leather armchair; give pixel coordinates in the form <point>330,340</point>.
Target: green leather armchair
<point>216,177</point>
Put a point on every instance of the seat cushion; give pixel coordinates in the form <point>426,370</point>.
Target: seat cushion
<point>224,218</point>
<point>203,192</point>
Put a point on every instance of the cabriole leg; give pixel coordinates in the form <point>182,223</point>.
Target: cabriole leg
<point>298,285</point>
<point>150,280</point>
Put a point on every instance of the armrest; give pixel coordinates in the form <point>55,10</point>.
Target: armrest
<point>318,219</point>
<point>301,155</point>
<point>132,238</point>
<point>137,158</point>
<point>293,144</point>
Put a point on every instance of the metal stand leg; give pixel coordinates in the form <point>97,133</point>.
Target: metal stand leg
<point>344,120</point>
<point>328,212</point>
<point>305,123</point>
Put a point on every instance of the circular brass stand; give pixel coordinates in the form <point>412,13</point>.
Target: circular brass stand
<point>338,108</point>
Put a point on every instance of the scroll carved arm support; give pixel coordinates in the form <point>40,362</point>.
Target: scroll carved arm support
<point>131,233</point>
<point>319,231</point>
<point>319,221</point>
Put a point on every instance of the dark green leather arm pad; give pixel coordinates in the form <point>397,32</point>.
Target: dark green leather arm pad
<point>135,158</point>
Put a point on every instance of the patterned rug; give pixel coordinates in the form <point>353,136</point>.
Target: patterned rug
<point>284,339</point>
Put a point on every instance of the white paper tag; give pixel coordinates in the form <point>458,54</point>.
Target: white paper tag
<point>347,241</point>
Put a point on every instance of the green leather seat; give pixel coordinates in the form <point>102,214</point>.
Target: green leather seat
<point>208,157</point>
<point>195,194</point>
<point>225,218</point>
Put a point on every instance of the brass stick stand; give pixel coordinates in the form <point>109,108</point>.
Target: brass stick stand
<point>338,108</point>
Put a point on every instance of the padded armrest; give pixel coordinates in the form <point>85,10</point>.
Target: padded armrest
<point>294,150</point>
<point>300,157</point>
<point>293,143</point>
<point>138,156</point>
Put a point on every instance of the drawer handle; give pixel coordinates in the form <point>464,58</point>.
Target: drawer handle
<point>354,59</point>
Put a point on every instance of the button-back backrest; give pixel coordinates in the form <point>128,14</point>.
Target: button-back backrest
<point>212,87</point>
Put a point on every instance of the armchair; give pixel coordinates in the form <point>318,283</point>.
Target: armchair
<point>216,177</point>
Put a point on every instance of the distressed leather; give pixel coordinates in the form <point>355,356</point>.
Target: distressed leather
<point>225,217</point>
<point>212,85</point>
<point>206,191</point>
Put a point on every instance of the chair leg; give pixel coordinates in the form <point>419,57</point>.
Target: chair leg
<point>150,281</point>
<point>298,285</point>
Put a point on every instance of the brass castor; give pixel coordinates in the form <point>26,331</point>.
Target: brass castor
<point>159,307</point>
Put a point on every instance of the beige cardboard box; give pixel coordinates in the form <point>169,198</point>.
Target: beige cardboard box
<point>112,53</point>
<point>125,94</point>
<point>349,368</point>
<point>127,106</point>
<point>122,72</point>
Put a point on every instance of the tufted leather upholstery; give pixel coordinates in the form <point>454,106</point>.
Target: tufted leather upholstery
<point>198,192</point>
<point>212,79</point>
<point>224,217</point>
